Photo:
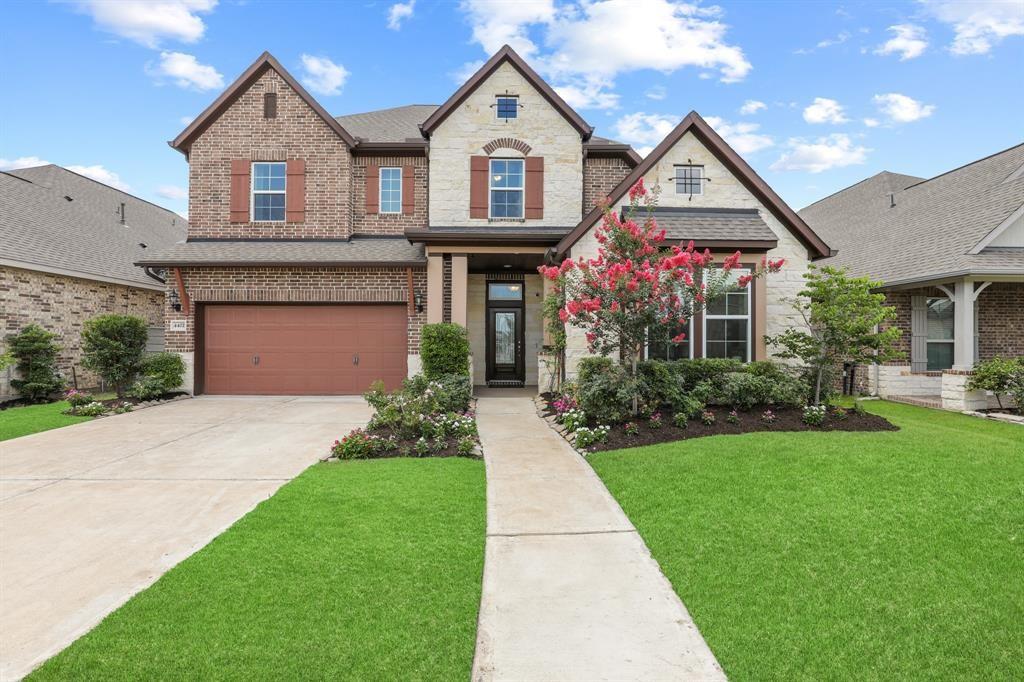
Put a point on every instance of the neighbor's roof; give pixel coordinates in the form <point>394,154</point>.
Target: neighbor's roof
<point>359,251</point>
<point>55,220</point>
<point>900,229</point>
<point>714,226</point>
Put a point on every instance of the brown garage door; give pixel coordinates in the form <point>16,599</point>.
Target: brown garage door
<point>302,349</point>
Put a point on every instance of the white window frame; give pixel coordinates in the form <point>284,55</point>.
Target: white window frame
<point>491,188</point>
<point>690,181</point>
<point>928,340</point>
<point>749,317</point>
<point>506,118</point>
<point>253,191</point>
<point>689,342</point>
<point>380,189</point>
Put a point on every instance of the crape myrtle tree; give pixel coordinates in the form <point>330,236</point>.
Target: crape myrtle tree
<point>637,286</point>
<point>843,317</point>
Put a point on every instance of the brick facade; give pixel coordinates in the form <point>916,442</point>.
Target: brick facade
<point>600,176</point>
<point>1001,321</point>
<point>62,305</point>
<point>388,223</point>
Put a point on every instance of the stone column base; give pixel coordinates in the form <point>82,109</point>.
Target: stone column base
<point>547,379</point>
<point>189,383</point>
<point>955,395</point>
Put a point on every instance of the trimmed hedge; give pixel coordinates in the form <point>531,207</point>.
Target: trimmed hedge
<point>444,350</point>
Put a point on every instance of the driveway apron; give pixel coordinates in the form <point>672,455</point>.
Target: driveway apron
<point>93,513</point>
<point>570,591</point>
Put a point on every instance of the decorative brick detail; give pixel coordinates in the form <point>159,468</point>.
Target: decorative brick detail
<point>507,143</point>
<point>295,285</point>
<point>62,305</point>
<point>297,132</point>
<point>600,176</point>
<point>446,279</point>
<point>388,223</point>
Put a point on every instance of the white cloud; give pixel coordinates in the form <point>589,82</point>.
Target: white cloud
<point>101,174</point>
<point>908,42</point>
<point>643,131</point>
<point>979,25</point>
<point>902,109</point>
<point>814,156</point>
<point>150,22</point>
<point>586,98</point>
<point>663,35</point>
<point>186,72</point>
<point>743,137</point>
<point>824,110</point>
<point>872,122</point>
<point>323,76</point>
<point>22,162</point>
<point>399,12</point>
<point>172,192</point>
<point>841,38</point>
<point>752,106</point>
<point>657,93</point>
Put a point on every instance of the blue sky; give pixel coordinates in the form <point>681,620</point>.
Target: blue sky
<point>815,95</point>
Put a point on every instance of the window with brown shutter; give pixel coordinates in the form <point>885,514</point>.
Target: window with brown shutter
<point>373,188</point>
<point>534,187</point>
<point>408,190</point>
<point>478,169</point>
<point>295,191</point>
<point>240,190</point>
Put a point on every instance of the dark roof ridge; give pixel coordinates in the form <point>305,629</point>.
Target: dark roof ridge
<point>697,210</point>
<point>966,165</point>
<point>858,183</point>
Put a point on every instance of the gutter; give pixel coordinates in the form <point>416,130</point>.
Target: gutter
<point>285,264</point>
<point>77,274</point>
<point>471,238</point>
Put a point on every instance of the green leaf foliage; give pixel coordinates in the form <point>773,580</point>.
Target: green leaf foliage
<point>444,349</point>
<point>113,346</point>
<point>35,357</point>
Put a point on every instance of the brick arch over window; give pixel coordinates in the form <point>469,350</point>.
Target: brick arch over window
<point>507,143</point>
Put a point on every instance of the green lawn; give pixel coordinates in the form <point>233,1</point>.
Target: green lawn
<point>896,555</point>
<point>21,421</point>
<point>357,570</point>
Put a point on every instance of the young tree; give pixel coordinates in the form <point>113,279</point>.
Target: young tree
<point>842,315</point>
<point>112,346</point>
<point>636,285</point>
<point>34,351</point>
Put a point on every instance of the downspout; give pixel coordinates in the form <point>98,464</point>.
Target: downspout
<point>150,273</point>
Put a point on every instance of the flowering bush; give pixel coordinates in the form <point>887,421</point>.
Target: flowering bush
<point>585,437</point>
<point>631,429</point>
<point>681,419</point>
<point>93,409</point>
<point>123,407</point>
<point>733,417</point>
<point>839,414</point>
<point>814,415</point>
<point>708,417</point>
<point>356,445</point>
<point>573,420</point>
<point>563,404</point>
<point>655,421</point>
<point>768,417</point>
<point>466,446</point>
<point>78,398</point>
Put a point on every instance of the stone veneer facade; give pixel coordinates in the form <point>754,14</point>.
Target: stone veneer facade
<point>62,304</point>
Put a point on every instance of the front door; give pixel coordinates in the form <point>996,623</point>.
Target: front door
<point>505,332</point>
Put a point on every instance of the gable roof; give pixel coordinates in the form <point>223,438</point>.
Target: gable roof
<point>396,124</point>
<point>41,229</point>
<point>928,229</point>
<point>731,160</point>
<point>228,97</point>
<point>507,54</point>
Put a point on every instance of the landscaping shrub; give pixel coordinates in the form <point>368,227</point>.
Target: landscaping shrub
<point>147,388</point>
<point>356,445</point>
<point>444,349</point>
<point>605,390</point>
<point>692,372</point>
<point>814,415</point>
<point>35,354</point>
<point>585,437</point>
<point>112,346</point>
<point>688,408</point>
<point>93,409</point>
<point>658,385</point>
<point>744,391</point>
<point>167,368</point>
<point>1002,377</point>
<point>78,398</point>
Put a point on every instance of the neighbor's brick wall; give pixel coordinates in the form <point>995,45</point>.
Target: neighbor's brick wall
<point>298,132</point>
<point>62,305</point>
<point>388,223</point>
<point>295,285</point>
<point>600,176</point>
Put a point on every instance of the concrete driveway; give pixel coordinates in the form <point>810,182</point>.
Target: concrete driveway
<point>93,513</point>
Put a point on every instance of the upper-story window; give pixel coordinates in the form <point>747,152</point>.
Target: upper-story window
<point>507,187</point>
<point>506,107</point>
<point>268,188</point>
<point>689,179</point>
<point>390,190</point>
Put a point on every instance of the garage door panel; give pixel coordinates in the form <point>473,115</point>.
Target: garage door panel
<point>303,349</point>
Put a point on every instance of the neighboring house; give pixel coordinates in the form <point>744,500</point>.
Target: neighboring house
<point>950,251</point>
<point>319,246</point>
<point>67,246</point>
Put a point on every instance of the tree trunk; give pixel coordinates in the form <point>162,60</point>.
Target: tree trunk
<point>636,395</point>
<point>817,386</point>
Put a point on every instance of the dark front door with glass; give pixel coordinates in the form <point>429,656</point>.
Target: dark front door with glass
<point>505,332</point>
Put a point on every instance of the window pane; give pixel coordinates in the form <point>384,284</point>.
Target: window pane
<point>940,356</point>
<point>504,338</point>
<point>726,339</point>
<point>688,179</point>
<point>268,177</point>
<point>391,190</point>
<point>506,204</point>
<point>508,107</point>
<point>511,291</point>
<point>940,318</point>
<point>268,207</point>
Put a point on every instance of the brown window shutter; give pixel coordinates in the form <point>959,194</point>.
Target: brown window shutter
<point>408,190</point>
<point>295,191</point>
<point>534,199</point>
<point>478,170</point>
<point>240,190</point>
<point>373,188</point>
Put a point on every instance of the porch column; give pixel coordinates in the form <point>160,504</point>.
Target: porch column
<point>435,289</point>
<point>963,325</point>
<point>460,283</point>
<point>547,286</point>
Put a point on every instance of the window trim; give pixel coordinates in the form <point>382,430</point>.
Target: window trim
<point>690,181</point>
<point>491,188</point>
<point>497,116</point>
<point>749,317</point>
<point>380,190</point>
<point>253,191</point>
<point>927,340</point>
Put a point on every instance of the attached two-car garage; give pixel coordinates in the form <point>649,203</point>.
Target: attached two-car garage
<point>301,349</point>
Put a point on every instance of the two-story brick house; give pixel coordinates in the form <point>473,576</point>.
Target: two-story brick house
<point>319,246</point>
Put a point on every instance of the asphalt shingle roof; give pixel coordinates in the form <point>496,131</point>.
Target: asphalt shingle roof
<point>357,251</point>
<point>40,227</point>
<point>932,227</point>
<point>712,224</point>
